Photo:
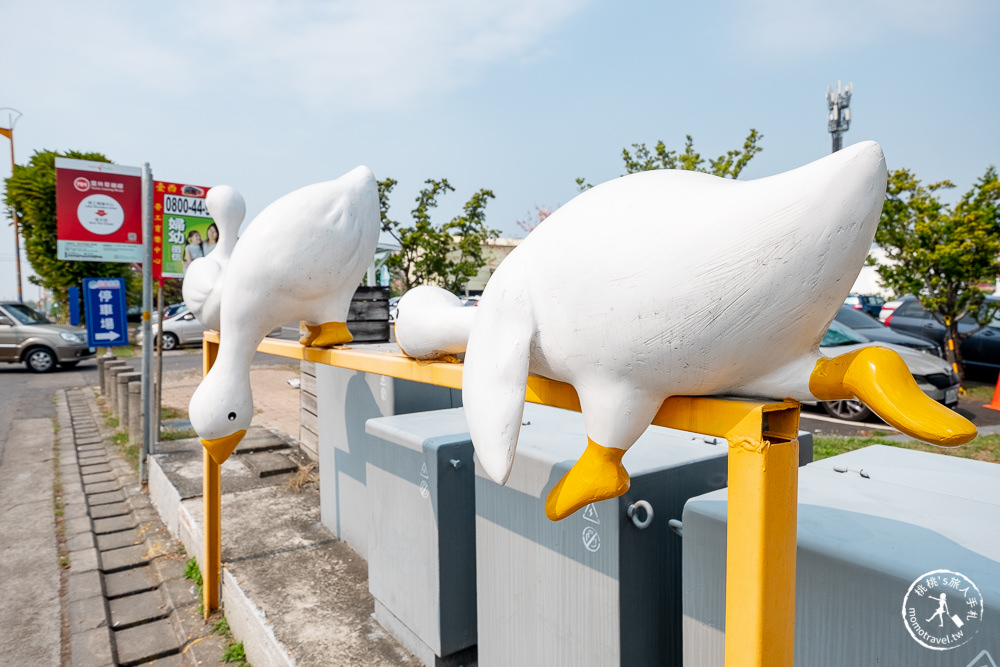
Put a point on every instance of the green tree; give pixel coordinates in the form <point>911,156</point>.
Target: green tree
<point>445,255</point>
<point>727,165</point>
<point>942,253</point>
<point>31,191</point>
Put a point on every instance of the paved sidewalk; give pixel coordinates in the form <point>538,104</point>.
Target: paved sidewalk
<point>29,566</point>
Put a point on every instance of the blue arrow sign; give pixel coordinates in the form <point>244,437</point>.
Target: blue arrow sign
<point>104,302</point>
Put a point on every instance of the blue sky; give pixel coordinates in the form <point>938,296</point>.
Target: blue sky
<point>519,96</point>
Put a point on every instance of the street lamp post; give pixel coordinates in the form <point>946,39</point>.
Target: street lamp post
<point>840,113</point>
<point>9,133</point>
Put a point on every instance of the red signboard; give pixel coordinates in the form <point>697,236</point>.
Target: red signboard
<point>98,211</point>
<point>182,229</point>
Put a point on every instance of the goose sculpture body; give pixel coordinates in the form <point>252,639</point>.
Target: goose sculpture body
<point>204,278</point>
<point>301,258</point>
<point>432,323</point>
<point>669,283</point>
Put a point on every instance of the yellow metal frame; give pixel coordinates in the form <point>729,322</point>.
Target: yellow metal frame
<point>763,490</point>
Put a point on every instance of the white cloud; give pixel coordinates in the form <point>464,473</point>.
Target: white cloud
<point>342,54</point>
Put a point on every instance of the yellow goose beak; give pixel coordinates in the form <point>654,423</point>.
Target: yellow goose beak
<point>879,378</point>
<point>221,448</point>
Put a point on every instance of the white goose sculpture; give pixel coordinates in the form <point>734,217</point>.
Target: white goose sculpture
<point>301,259</point>
<point>203,280</point>
<point>668,283</point>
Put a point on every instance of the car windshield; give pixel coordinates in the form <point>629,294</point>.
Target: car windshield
<point>25,314</point>
<point>857,319</point>
<point>839,334</point>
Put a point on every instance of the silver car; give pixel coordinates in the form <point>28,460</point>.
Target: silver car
<point>933,375</point>
<point>27,336</point>
<point>182,328</point>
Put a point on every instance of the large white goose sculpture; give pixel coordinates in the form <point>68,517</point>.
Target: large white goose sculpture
<point>204,278</point>
<point>669,283</point>
<point>301,259</point>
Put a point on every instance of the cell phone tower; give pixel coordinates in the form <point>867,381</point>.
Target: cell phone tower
<point>839,103</point>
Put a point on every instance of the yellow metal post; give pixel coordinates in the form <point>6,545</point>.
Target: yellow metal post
<point>211,493</point>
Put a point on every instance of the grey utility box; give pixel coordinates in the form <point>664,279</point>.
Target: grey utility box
<point>422,539</point>
<point>592,589</point>
<point>347,399</point>
<point>874,526</point>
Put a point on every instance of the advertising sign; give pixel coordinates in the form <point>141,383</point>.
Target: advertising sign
<point>98,211</point>
<point>104,303</point>
<point>182,229</point>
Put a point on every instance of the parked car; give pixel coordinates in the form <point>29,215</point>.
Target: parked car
<point>869,303</point>
<point>183,328</point>
<point>934,376</point>
<point>871,328</point>
<point>980,351</point>
<point>27,336</point>
<point>890,306</point>
<point>393,308</point>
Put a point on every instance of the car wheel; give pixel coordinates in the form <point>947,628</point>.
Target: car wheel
<point>40,360</point>
<point>170,341</point>
<point>849,410</point>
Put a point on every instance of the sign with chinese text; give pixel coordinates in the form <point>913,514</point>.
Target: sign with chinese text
<point>98,211</point>
<point>104,304</point>
<point>183,231</point>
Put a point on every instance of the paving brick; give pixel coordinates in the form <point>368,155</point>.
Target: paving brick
<point>180,592</point>
<point>96,447</point>
<point>91,648</point>
<point>190,623</point>
<point>145,642</point>
<point>91,458</point>
<point>74,510</point>
<point>139,608</point>
<point>87,614</point>
<point>127,582</point>
<point>99,477</point>
<point>206,652</point>
<point>109,510</point>
<point>83,561</point>
<point>77,525</point>
<point>80,542</point>
<point>170,567</point>
<point>91,468</point>
<point>114,524</point>
<point>84,585</point>
<point>117,540</point>
<point>101,487</point>
<point>105,498</point>
<point>118,559</point>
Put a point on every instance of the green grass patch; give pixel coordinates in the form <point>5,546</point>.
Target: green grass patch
<point>172,413</point>
<point>111,421</point>
<point>121,351</point>
<point>235,654</point>
<point>178,434</point>
<point>983,448</point>
<point>977,393</point>
<point>193,572</point>
<point>221,628</point>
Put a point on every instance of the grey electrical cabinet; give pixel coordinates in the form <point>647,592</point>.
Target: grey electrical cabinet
<point>594,588</point>
<point>346,399</point>
<point>422,539</point>
<point>884,535</point>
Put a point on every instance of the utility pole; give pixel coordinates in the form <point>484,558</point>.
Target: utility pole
<point>9,133</point>
<point>840,113</point>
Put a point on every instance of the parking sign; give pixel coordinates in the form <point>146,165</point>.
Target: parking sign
<point>104,302</point>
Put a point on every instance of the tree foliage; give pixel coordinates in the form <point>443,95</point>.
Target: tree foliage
<point>31,192</point>
<point>445,255</point>
<point>727,165</point>
<point>942,253</point>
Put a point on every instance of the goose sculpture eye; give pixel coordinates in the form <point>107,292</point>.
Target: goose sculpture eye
<point>232,416</point>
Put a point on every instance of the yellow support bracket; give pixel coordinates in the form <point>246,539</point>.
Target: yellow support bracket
<point>763,490</point>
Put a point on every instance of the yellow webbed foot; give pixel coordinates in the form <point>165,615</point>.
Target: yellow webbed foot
<point>327,334</point>
<point>879,378</point>
<point>222,448</point>
<point>598,475</point>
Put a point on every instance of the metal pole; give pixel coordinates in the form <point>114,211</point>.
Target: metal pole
<point>147,329</point>
<point>159,357</point>
<point>9,133</point>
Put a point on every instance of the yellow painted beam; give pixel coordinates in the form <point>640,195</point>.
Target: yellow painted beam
<point>211,493</point>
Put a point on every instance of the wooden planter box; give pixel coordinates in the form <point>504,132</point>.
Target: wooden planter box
<point>368,320</point>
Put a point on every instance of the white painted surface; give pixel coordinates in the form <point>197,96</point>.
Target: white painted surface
<point>432,322</point>
<point>204,278</point>
<point>708,286</point>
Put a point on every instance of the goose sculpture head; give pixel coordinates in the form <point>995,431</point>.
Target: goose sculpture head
<point>204,278</point>
<point>300,259</point>
<point>676,283</point>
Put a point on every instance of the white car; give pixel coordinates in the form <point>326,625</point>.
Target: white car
<point>182,328</point>
<point>934,375</point>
